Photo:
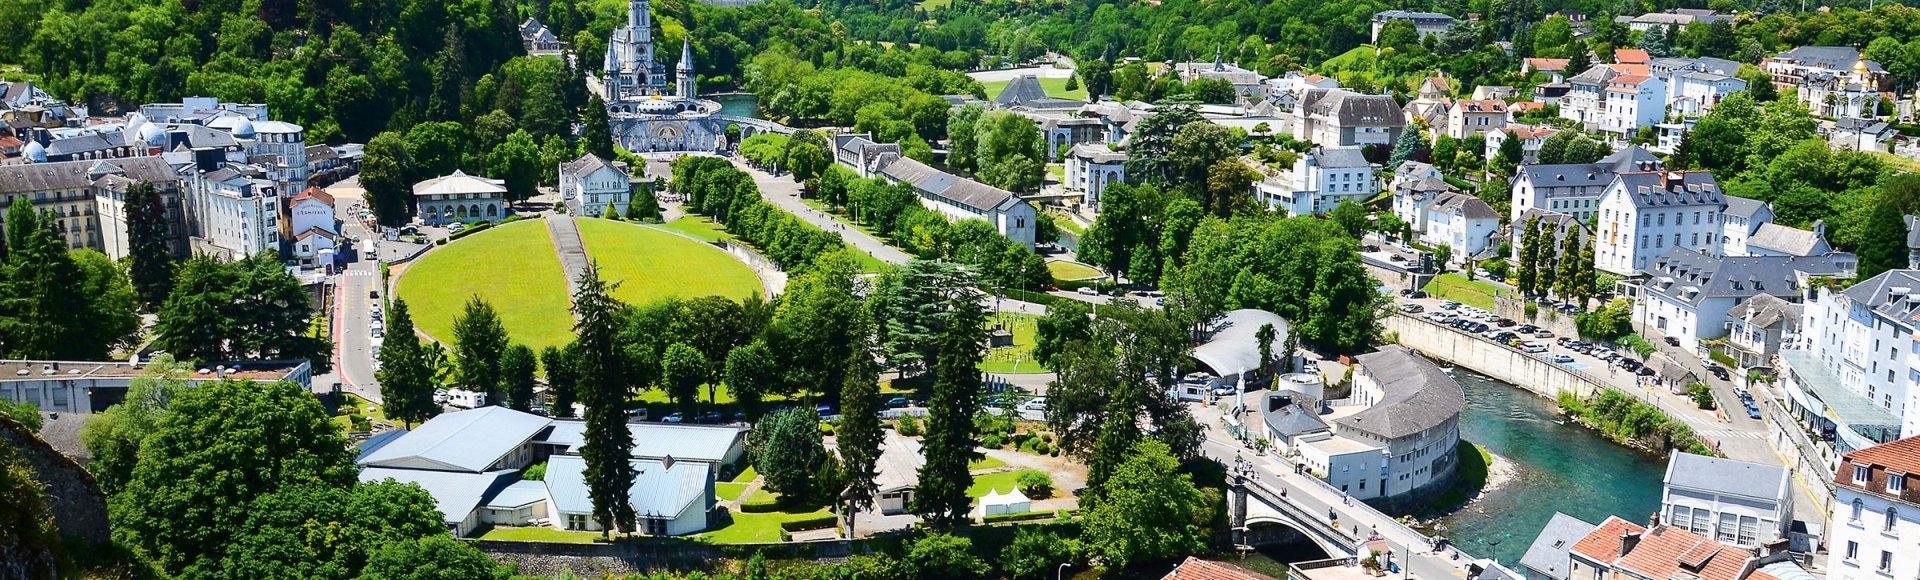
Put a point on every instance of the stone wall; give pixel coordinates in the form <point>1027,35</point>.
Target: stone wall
<point>1446,345</point>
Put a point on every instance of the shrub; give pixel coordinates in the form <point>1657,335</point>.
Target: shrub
<point>909,426</point>
<point>1055,452</point>
<point>818,522</point>
<point>1018,517</point>
<point>942,555</point>
<point>1036,485</point>
<point>1041,447</point>
<point>1702,395</point>
<point>991,442</point>
<point>538,472</point>
<point>760,505</point>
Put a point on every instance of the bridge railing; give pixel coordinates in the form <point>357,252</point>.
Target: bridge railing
<point>1310,523</point>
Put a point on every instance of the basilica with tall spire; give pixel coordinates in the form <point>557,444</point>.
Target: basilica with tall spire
<point>647,114</point>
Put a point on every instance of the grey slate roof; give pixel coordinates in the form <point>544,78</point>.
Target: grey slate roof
<point>1697,189</point>
<point>1234,347</point>
<point>1294,419</point>
<point>1549,554</point>
<point>1631,159</point>
<point>1689,277</point>
<point>374,443</point>
<point>78,174</point>
<point>1020,90</point>
<point>1418,396</point>
<point>657,490</point>
<point>1339,157</point>
<point>1913,232</point>
<point>1351,109</point>
<point>1097,153</point>
<point>657,440</point>
<point>1469,206</point>
<point>468,441</point>
<point>1767,310</point>
<point>1832,57</point>
<point>1728,476</point>
<point>454,493</point>
<point>85,144</point>
<point>1420,17</point>
<point>1425,184</point>
<point>959,190</point>
<point>1786,240</point>
<point>586,165</point>
<point>1742,207</point>
<point>1891,294</point>
<point>899,465</point>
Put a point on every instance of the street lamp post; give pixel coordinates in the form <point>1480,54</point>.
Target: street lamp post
<point>1060,572</point>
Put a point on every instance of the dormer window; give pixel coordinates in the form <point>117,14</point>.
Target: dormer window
<point>1860,474</point>
<point>1896,482</point>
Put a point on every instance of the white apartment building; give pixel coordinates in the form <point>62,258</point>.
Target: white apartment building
<point>1875,515</point>
<point>238,212</point>
<point>1470,117</point>
<point>1695,93</point>
<point>1864,336</point>
<point>589,185</point>
<point>1687,293</point>
<point>1736,502</point>
<point>1633,101</point>
<point>1321,179</point>
<point>1426,23</point>
<point>1642,215</point>
<point>1531,138</point>
<point>1091,167</point>
<point>1343,118</point>
<point>1575,188</point>
<point>1739,221</point>
<point>1462,222</point>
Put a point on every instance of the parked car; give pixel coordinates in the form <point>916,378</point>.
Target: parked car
<point>1505,322</point>
<point>673,418</point>
<point>1411,308</point>
<point>1671,341</point>
<point>1418,295</point>
<point>1396,258</point>
<point>373,294</point>
<point>1370,248</point>
<point>1087,291</point>
<point>1542,334</point>
<point>711,417</point>
<point>1646,371</point>
<point>1526,329</point>
<point>1040,403</point>
<point>1558,359</point>
<point>1533,347</point>
<point>897,402</point>
<point>1449,305</point>
<point>1753,411</point>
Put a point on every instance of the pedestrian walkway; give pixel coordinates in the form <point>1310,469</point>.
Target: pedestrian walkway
<point>566,241</point>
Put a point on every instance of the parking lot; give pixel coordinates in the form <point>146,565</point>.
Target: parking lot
<point>1565,351</point>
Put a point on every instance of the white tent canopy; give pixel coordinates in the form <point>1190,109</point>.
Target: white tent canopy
<point>1012,502</point>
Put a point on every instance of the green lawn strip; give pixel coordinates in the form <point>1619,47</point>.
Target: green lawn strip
<point>699,227</point>
<point>1459,289</point>
<point>1071,271</point>
<point>1057,172</point>
<point>1056,88</point>
<point>1065,222</point>
<point>755,528</point>
<point>746,476</point>
<point>1019,357</point>
<point>866,262</point>
<point>541,534</point>
<point>985,463</point>
<point>650,264</point>
<point>728,490</point>
<point>514,267</point>
<point>1004,481</point>
<point>372,411</point>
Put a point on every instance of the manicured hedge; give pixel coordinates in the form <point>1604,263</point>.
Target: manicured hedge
<point>1020,517</point>
<point>754,507</point>
<point>819,522</point>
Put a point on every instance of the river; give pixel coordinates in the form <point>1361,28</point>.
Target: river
<point>1555,467</point>
<point>739,104</point>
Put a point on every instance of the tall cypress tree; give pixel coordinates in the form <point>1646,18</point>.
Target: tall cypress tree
<point>858,435</point>
<point>1529,256</point>
<point>406,380</point>
<point>942,499</point>
<point>1588,278</point>
<point>597,135</point>
<point>608,446</point>
<point>1568,280</point>
<point>479,340</point>
<point>151,262</point>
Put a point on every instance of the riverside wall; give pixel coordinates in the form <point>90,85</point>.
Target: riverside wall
<point>1527,371</point>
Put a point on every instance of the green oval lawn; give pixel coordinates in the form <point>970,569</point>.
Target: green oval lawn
<point>651,264</point>
<point>512,267</point>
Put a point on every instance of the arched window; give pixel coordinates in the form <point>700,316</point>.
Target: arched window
<point>474,211</point>
<point>1858,506</point>
<point>492,210</point>
<point>1893,515</point>
<point>460,211</point>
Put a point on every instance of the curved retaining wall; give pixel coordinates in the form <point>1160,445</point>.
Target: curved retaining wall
<point>1445,344</point>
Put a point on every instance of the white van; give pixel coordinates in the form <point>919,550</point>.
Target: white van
<point>465,399</point>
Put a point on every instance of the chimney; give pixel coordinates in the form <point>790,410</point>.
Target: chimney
<point>1628,541</point>
<point>1653,520</point>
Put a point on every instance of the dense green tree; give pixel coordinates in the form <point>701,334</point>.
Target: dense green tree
<point>562,378</point>
<point>1064,323</point>
<point>46,311</point>
<point>682,369</point>
<point>516,161</point>
<point>1529,258</point>
<point>752,371</point>
<point>277,541</point>
<point>941,498</point>
<point>859,434</point>
<point>1196,148</point>
<point>407,382</point>
<point>149,260</point>
<point>221,446</point>
<point>1150,154</point>
<point>1149,510</point>
<point>432,558</point>
<point>1883,244</point>
<point>713,328</point>
<point>918,309</point>
<point>596,135</point>
<point>387,173</point>
<point>1011,152</point>
<point>479,340</point>
<point>1037,552</point>
<point>940,555</point>
<point>1351,217</point>
<point>786,450</point>
<point>517,367</point>
<point>806,161</point>
<point>114,437</point>
<point>436,148</point>
<point>1408,146</point>
<point>112,320</point>
<point>250,309</point>
<point>600,368</point>
<point>643,206</point>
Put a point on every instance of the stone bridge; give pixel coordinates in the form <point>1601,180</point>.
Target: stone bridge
<point>750,126</point>
<point>1261,515</point>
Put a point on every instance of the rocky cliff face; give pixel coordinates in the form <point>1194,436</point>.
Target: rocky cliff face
<point>79,507</point>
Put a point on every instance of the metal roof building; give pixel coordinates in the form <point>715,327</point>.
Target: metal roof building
<point>671,498</point>
<point>475,441</point>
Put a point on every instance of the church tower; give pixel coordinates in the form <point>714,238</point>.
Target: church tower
<point>683,81</point>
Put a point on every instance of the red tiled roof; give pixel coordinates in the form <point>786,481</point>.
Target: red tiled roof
<point>1603,543</point>
<point>1547,64</point>
<point>1902,455</point>
<point>315,193</point>
<point>1530,131</point>
<point>1632,79</point>
<point>1198,569</point>
<point>1630,69</point>
<point>1665,551</point>
<point>1630,56</point>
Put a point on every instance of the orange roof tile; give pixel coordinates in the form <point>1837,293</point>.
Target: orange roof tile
<point>1198,569</point>
<point>1665,550</point>
<point>1630,69</point>
<point>315,193</point>
<point>1547,64</point>
<point>1630,56</point>
<point>1632,79</point>
<point>1902,455</point>
<point>1603,543</point>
